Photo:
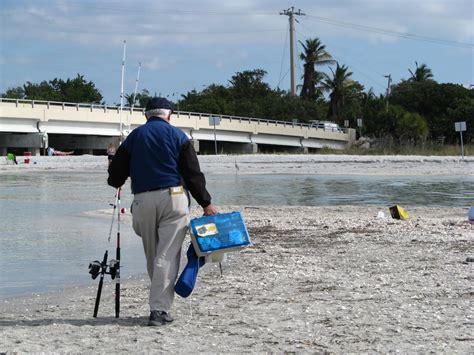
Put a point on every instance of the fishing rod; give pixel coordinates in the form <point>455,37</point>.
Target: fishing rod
<point>111,268</point>
<point>136,84</point>
<point>114,265</point>
<point>129,123</point>
<point>121,89</point>
<point>117,257</point>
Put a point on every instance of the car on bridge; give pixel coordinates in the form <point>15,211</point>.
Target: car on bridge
<point>326,125</point>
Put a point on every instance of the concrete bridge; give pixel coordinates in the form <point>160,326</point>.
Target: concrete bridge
<point>31,125</point>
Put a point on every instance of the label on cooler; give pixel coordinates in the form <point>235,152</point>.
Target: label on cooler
<point>207,230</point>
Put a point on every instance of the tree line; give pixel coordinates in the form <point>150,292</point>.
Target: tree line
<point>412,111</point>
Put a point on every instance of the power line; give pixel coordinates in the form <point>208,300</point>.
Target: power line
<point>283,78</point>
<point>119,31</point>
<point>350,63</point>
<point>357,58</point>
<point>282,58</point>
<point>169,12</point>
<point>390,33</point>
<point>326,20</point>
<point>367,76</point>
<point>299,61</point>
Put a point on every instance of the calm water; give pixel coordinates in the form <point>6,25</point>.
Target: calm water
<point>47,242</point>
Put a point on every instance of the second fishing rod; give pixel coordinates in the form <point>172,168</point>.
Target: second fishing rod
<point>111,267</point>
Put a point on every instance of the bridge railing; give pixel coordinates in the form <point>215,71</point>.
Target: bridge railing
<point>141,110</point>
<point>69,104</point>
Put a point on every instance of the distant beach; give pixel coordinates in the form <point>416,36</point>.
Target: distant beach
<point>280,164</point>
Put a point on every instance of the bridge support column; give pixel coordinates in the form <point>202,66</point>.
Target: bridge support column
<point>195,144</point>
<point>305,150</point>
<point>236,148</point>
<point>3,151</point>
<point>88,151</point>
<point>251,148</point>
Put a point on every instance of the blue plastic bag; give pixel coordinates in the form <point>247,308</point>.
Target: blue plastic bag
<point>187,280</point>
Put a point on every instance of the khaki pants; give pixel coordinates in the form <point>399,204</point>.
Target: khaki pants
<point>161,220</point>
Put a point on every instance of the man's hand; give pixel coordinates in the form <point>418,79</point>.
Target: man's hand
<point>209,210</point>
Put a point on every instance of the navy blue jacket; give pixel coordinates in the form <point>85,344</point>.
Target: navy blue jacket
<point>158,155</point>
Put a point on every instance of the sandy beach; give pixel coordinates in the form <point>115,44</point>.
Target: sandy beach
<point>317,279</point>
<point>333,279</point>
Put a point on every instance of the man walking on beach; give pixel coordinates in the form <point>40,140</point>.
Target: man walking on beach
<point>162,164</point>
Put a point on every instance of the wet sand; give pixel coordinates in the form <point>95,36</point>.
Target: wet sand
<point>317,279</point>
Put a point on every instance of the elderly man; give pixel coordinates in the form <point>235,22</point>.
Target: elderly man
<point>163,165</point>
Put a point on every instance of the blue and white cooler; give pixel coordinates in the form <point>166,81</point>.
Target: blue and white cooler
<point>213,236</point>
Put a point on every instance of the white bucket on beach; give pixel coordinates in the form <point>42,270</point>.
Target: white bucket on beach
<point>380,215</point>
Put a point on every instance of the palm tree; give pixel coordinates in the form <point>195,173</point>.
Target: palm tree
<point>368,96</point>
<point>129,100</point>
<point>314,55</point>
<point>339,86</point>
<point>422,73</point>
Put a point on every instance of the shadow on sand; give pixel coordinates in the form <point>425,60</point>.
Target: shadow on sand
<point>127,322</point>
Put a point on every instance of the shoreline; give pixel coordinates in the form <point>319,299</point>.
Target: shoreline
<point>332,278</point>
<point>195,212</point>
<point>296,164</point>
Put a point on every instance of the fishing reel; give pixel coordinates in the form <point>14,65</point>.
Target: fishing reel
<point>96,268</point>
<point>113,268</point>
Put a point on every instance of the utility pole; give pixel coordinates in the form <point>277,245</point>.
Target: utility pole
<point>291,16</point>
<point>389,77</point>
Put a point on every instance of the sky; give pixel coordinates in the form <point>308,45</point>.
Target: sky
<point>184,45</point>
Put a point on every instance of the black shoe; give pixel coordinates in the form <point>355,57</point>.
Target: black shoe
<point>159,318</point>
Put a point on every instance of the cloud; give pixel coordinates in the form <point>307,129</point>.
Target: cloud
<point>158,62</point>
<point>175,37</point>
<point>220,64</point>
<point>238,22</point>
<point>153,63</point>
